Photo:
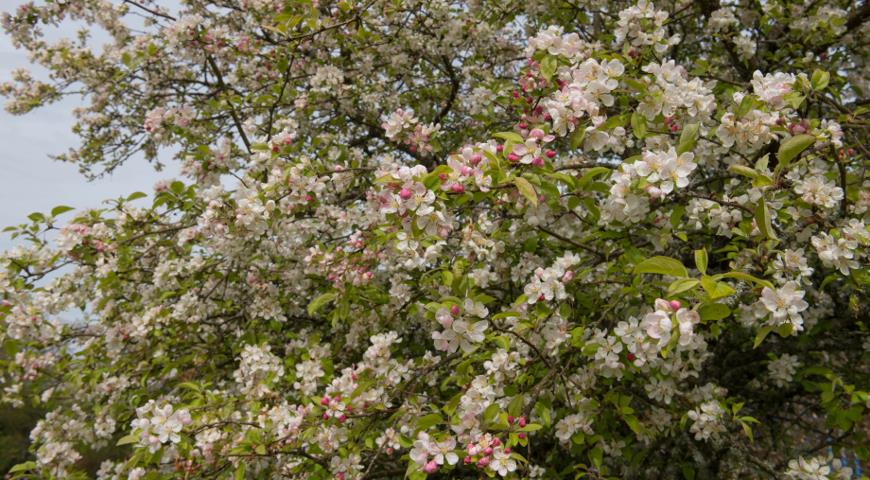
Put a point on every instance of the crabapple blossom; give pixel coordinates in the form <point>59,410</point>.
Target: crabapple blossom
<point>453,239</point>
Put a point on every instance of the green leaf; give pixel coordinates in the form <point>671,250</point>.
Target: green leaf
<point>635,84</point>
<point>713,311</point>
<point>23,467</point>
<point>128,439</point>
<point>638,125</point>
<point>491,412</point>
<point>543,413</point>
<point>549,65</point>
<point>682,285</point>
<point>509,136</point>
<point>36,217</point>
<point>715,289</point>
<point>743,170</point>
<point>591,174</point>
<point>577,137</point>
<point>701,260</point>
<point>136,196</point>
<point>515,407</point>
<point>762,220</point>
<point>763,332</point>
<point>632,422</point>
<point>428,420</point>
<point>240,471</point>
<point>820,80</point>
<point>596,456</point>
<point>745,105</point>
<point>527,190</point>
<point>688,472</point>
<point>60,209</point>
<point>320,302</point>
<point>748,278</point>
<point>747,430</point>
<point>663,266</point>
<point>793,147</point>
<point>688,138</point>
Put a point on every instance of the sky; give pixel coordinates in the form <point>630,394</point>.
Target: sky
<point>30,181</point>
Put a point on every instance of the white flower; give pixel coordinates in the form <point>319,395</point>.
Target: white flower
<point>687,319</point>
<point>707,420</point>
<point>785,305</point>
<point>818,190</point>
<point>812,469</point>
<point>469,333</point>
<point>159,425</point>
<point>772,88</point>
<point>658,325</point>
<point>444,452</point>
<point>783,369</point>
<point>568,426</point>
<point>666,168</point>
<point>502,462</point>
<point>836,252</point>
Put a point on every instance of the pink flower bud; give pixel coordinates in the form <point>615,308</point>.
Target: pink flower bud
<point>430,467</point>
<point>521,435</point>
<point>466,460</point>
<point>342,418</point>
<point>325,416</point>
<point>405,194</point>
<point>523,125</point>
<point>522,422</point>
<point>507,450</point>
<point>339,476</point>
<point>457,188</point>
<point>389,450</point>
<point>551,153</point>
<point>675,304</point>
<point>495,442</point>
<point>487,451</point>
<point>513,157</point>
<point>510,419</point>
<point>442,176</point>
<point>499,148</point>
<point>324,401</point>
<point>454,310</point>
<point>466,170</point>
<point>537,133</point>
<point>483,462</point>
<point>568,276</point>
<point>538,162</point>
<point>475,159</point>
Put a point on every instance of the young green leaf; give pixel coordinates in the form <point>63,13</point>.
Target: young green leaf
<point>793,147</point>
<point>662,266</point>
<point>527,190</point>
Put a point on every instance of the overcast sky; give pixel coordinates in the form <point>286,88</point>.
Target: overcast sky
<point>29,180</point>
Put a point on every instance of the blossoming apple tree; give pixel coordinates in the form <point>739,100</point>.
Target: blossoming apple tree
<point>457,239</point>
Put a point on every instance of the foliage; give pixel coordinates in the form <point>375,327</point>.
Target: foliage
<point>451,238</point>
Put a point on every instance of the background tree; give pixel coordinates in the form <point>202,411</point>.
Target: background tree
<point>508,238</point>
